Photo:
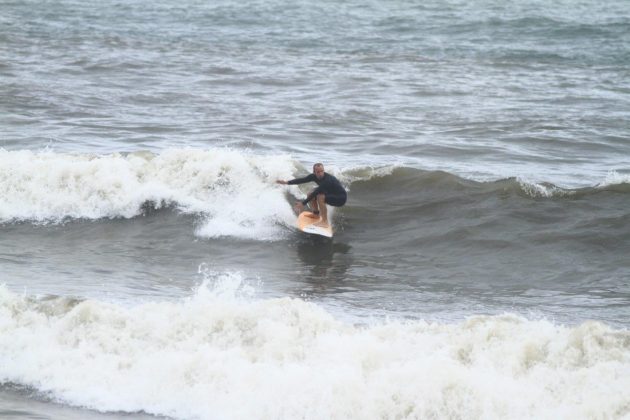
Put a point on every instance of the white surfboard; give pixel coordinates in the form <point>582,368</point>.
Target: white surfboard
<point>306,223</point>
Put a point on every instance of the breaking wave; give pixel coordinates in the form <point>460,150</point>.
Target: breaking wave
<point>222,353</point>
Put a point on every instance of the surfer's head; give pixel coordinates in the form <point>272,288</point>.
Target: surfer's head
<point>318,170</point>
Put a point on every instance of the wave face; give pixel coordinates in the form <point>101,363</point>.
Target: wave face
<point>404,180</point>
<point>402,197</point>
<point>203,356</point>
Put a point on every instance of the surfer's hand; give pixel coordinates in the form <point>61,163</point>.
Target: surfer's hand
<point>299,206</point>
<point>280,181</point>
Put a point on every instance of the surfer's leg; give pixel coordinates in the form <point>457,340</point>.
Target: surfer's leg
<point>314,209</point>
<point>323,211</point>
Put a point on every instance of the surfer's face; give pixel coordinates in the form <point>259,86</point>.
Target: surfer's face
<point>319,172</point>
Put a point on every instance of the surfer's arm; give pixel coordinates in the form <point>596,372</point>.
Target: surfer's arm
<point>308,178</point>
<point>304,180</point>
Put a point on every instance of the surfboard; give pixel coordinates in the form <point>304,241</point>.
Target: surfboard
<point>307,224</point>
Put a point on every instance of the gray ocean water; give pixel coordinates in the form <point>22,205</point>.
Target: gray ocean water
<point>149,262</point>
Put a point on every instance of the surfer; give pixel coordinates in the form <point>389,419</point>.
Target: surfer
<point>329,191</point>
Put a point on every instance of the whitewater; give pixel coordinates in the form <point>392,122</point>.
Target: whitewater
<point>203,356</point>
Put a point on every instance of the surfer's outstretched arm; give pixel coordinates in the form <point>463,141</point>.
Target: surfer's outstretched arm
<point>304,180</point>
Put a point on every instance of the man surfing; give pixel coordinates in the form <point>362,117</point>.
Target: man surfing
<point>329,191</point>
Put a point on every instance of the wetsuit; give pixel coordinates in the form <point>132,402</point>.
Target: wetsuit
<point>329,186</point>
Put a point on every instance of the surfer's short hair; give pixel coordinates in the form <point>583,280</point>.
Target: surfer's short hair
<point>318,164</point>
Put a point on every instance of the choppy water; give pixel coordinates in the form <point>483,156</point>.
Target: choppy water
<point>149,262</point>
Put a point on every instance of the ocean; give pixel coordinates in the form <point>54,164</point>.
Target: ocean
<point>150,267</point>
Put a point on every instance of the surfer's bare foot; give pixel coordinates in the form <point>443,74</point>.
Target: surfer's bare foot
<point>313,215</point>
<point>321,223</point>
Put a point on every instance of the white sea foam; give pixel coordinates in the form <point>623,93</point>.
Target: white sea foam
<point>535,189</point>
<point>217,356</point>
<point>615,178</point>
<point>363,173</point>
<point>233,191</point>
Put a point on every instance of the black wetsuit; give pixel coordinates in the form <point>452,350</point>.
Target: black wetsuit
<point>328,185</point>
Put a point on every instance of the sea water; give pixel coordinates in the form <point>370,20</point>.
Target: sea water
<point>149,264</point>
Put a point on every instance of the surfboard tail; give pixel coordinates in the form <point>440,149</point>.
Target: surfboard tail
<point>306,223</point>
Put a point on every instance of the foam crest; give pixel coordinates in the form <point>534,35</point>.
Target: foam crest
<point>366,173</point>
<point>542,190</point>
<point>233,190</point>
<point>217,355</point>
<point>615,178</point>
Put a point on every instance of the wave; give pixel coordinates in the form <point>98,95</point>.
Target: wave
<point>411,209</point>
<point>222,353</point>
<point>406,179</point>
<point>234,190</point>
<point>230,192</point>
